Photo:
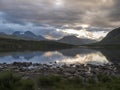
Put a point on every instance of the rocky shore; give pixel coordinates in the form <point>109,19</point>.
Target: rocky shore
<point>29,69</point>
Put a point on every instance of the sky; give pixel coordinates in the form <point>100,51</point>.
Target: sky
<point>54,19</point>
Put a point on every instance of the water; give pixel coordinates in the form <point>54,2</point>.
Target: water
<point>67,56</point>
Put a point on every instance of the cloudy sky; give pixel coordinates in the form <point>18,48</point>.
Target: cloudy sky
<point>57,18</point>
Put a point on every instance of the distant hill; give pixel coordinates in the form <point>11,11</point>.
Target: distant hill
<point>13,36</point>
<point>4,35</point>
<point>9,44</point>
<point>112,37</point>
<point>75,41</point>
<point>28,35</point>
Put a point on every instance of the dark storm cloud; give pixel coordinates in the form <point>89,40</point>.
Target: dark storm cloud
<point>46,30</point>
<point>41,11</point>
<point>114,15</point>
<point>102,13</point>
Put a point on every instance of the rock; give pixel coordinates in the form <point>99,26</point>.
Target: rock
<point>64,70</point>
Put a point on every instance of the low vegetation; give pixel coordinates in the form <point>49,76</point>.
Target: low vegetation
<point>11,81</point>
<point>101,82</point>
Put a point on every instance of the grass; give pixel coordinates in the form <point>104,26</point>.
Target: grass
<point>101,82</point>
<point>11,81</point>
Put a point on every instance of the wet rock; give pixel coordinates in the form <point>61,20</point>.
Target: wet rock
<point>72,70</point>
<point>23,64</point>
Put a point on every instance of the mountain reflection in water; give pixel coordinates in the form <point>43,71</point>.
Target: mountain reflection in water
<point>67,56</point>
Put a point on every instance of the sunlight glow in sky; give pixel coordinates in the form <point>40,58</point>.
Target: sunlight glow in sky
<point>59,3</point>
<point>85,34</point>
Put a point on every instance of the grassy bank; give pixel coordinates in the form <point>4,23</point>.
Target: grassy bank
<point>11,81</point>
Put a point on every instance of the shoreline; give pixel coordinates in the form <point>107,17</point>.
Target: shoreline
<point>28,69</point>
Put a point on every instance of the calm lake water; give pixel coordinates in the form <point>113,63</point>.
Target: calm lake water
<point>67,56</point>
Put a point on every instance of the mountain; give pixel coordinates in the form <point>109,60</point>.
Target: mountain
<point>75,41</point>
<point>7,36</point>
<point>28,35</point>
<point>112,37</point>
<point>2,33</point>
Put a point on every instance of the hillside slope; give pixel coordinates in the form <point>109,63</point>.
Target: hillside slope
<point>112,37</point>
<point>22,45</point>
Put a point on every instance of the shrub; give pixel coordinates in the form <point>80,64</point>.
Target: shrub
<point>11,81</point>
<point>104,82</point>
<point>8,80</point>
<point>48,81</point>
<point>27,84</point>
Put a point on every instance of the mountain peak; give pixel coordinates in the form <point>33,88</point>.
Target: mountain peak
<point>72,39</point>
<point>29,32</point>
<point>28,35</point>
<point>16,32</point>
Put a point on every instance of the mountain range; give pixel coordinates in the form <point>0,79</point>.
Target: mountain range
<point>112,37</point>
<point>22,36</point>
<point>28,35</point>
<point>31,36</point>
